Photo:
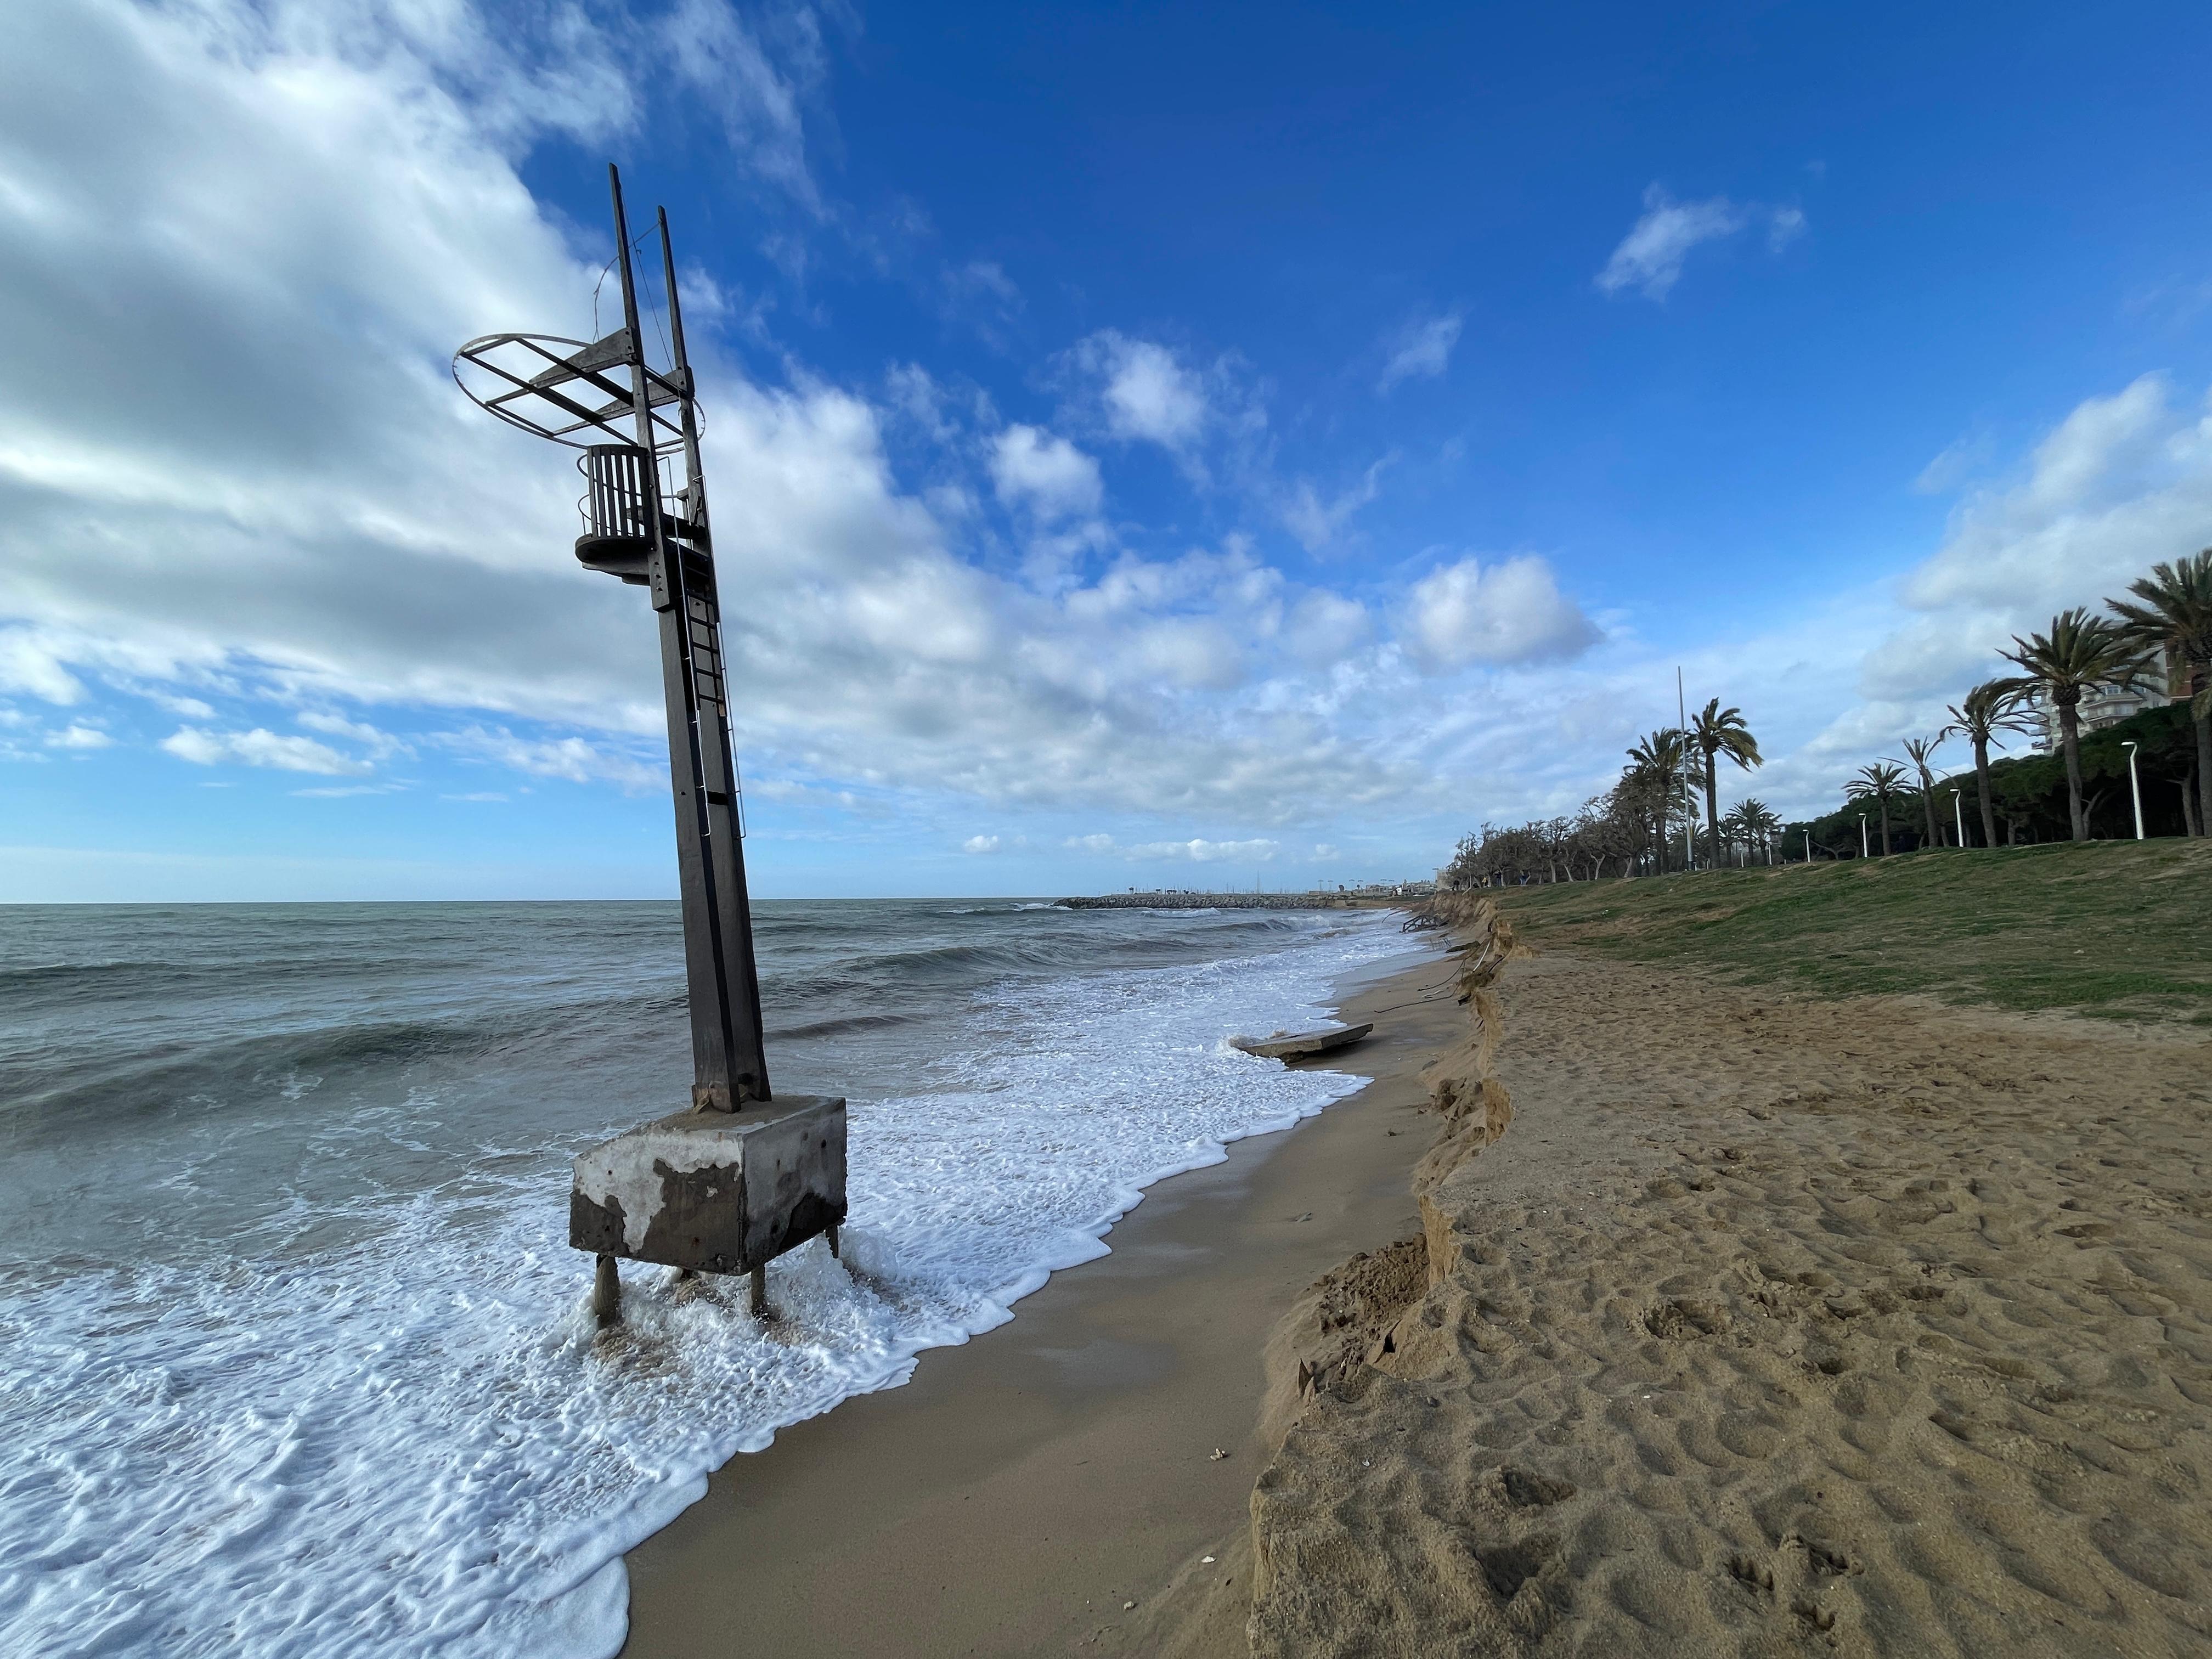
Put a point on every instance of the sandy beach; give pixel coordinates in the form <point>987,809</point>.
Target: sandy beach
<point>1732,1321</point>
<point>1021,1488</point>
<point>1770,1325</point>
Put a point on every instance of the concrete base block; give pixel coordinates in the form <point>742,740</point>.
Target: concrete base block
<point>720,1192</point>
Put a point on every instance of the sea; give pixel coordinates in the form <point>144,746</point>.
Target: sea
<point>294,1358</point>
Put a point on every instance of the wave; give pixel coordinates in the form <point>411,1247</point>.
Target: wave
<point>207,1073</point>
<point>40,973</point>
<point>845,1026</point>
<point>419,1404</point>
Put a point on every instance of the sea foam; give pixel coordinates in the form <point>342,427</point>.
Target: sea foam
<point>416,1440</point>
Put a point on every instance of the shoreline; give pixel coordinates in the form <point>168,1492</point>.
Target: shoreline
<point>1761,1319</point>
<point>1020,1487</point>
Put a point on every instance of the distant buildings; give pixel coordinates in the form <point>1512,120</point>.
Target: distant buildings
<point>2106,706</point>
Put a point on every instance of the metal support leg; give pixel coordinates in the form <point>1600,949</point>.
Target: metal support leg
<point>606,1292</point>
<point>760,1310</point>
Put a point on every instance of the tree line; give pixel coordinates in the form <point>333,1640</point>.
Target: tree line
<point>2158,637</point>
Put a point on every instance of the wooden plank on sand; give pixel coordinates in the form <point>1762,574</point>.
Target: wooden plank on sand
<point>1282,1046</point>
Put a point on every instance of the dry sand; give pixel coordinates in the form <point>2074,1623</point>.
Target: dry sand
<point>1729,1323</point>
<point>1012,1497</point>
<point>1772,1326</point>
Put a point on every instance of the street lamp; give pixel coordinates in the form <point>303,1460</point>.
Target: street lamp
<point>2134,787</point>
<point>1959,812</point>
<point>1865,852</point>
<point>1809,847</point>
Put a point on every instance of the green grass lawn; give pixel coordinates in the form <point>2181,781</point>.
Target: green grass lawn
<point>2121,930</point>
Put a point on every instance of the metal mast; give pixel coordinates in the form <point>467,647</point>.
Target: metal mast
<point>729,1059</point>
<point>608,389</point>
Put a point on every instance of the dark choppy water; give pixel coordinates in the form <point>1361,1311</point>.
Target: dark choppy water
<point>293,1358</point>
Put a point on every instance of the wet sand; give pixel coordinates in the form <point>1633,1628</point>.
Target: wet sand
<point>1021,1488</point>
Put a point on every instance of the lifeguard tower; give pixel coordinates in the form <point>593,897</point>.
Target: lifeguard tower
<point>743,1174</point>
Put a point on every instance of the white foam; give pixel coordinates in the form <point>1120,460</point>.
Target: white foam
<point>419,1444</point>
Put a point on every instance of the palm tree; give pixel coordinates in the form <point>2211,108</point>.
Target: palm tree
<point>1759,819</point>
<point>1750,825</point>
<point>1735,829</point>
<point>2079,653</point>
<point>1877,783</point>
<point>1980,716</point>
<point>1917,750</point>
<point>2175,617</point>
<point>1655,766</point>
<point>1715,731</point>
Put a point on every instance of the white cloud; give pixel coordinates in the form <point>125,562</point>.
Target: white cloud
<point>31,662</point>
<point>1047,474</point>
<point>569,758</point>
<point>1316,523</point>
<point>1511,612</point>
<point>1147,394</point>
<point>380,744</point>
<point>78,736</point>
<point>1953,466</point>
<point>980,844</point>
<point>1198,850</point>
<point>1650,258</point>
<point>260,747</point>
<point>1421,348</point>
<point>2124,481</point>
<point>1190,651</point>
<point>757,77</point>
<point>1323,628</point>
<point>230,527</point>
<point>2174,302</point>
<point>911,392</point>
<point>981,292</point>
<point>987,277</point>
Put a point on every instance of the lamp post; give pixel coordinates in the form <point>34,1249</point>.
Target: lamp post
<point>1689,789</point>
<point>1865,852</point>
<point>1809,847</point>
<point>2134,787</point>
<point>1958,812</point>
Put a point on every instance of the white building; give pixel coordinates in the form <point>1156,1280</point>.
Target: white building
<point>2108,705</point>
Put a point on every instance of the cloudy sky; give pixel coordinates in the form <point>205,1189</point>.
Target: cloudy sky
<point>1191,444</point>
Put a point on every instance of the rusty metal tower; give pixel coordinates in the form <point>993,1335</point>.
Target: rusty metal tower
<point>679,1191</point>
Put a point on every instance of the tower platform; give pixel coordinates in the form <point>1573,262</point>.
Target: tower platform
<point>715,1192</point>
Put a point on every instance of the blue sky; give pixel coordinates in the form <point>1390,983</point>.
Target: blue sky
<point>1189,446</point>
